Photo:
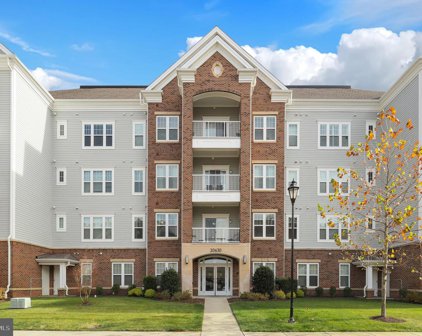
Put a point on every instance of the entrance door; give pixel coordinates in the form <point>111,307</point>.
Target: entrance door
<point>215,126</point>
<point>215,280</point>
<point>216,178</point>
<point>216,228</point>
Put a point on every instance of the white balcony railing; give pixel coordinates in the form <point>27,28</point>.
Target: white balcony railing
<point>216,129</point>
<point>215,235</point>
<point>216,182</point>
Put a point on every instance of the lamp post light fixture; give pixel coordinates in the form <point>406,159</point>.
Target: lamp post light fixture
<point>293,191</point>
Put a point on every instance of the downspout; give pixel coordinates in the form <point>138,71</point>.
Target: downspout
<point>366,283</point>
<point>9,265</point>
<point>65,285</point>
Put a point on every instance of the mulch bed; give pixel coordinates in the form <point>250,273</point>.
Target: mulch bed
<point>387,319</point>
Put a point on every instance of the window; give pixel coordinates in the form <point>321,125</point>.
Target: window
<point>325,185</point>
<point>97,181</point>
<point>264,225</point>
<point>264,177</point>
<point>122,274</point>
<point>334,135</point>
<point>371,128</point>
<point>138,227</point>
<point>331,227</point>
<point>308,275</point>
<point>138,175</point>
<point>98,135</point>
<point>97,228</point>
<point>60,223</point>
<point>370,224</point>
<point>370,176</point>
<point>344,275</point>
<point>139,135</point>
<point>162,266</point>
<point>291,174</point>
<point>166,225</point>
<point>295,228</point>
<point>86,274</point>
<point>270,265</point>
<point>167,128</point>
<point>167,177</point>
<point>61,176</point>
<point>293,129</point>
<point>264,128</point>
<point>61,129</point>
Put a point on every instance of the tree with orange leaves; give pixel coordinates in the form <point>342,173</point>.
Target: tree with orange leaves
<point>387,203</point>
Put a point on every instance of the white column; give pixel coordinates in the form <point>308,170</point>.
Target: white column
<point>369,277</point>
<point>62,283</point>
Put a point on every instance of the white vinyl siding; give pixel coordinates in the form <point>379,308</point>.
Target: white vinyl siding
<point>139,135</point>
<point>269,264</point>
<point>138,227</point>
<point>97,228</point>
<point>167,128</point>
<point>97,182</point>
<point>61,176</point>
<point>330,227</point>
<point>138,181</point>
<point>98,135</point>
<point>264,225</point>
<point>166,225</point>
<point>61,129</point>
<point>344,275</point>
<point>264,177</point>
<point>167,177</point>
<point>333,135</point>
<point>308,275</point>
<point>61,223</point>
<point>293,135</point>
<point>265,128</point>
<point>122,274</point>
<point>325,178</point>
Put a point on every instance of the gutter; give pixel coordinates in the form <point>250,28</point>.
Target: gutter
<point>9,265</point>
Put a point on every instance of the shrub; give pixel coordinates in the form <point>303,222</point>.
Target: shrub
<point>279,295</point>
<point>305,291</point>
<point>134,292</point>
<point>132,286</point>
<point>99,290</point>
<point>170,281</point>
<point>263,280</point>
<point>415,297</point>
<point>284,284</point>
<point>319,291</point>
<point>332,291</point>
<point>288,295</point>
<point>300,293</point>
<point>403,293</point>
<point>163,295</point>
<point>150,293</point>
<point>115,289</point>
<point>254,296</point>
<point>347,292</point>
<point>150,282</point>
<point>182,296</point>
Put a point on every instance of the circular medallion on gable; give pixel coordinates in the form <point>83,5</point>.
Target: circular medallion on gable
<point>217,69</point>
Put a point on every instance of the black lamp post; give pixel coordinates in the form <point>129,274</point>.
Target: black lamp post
<point>293,191</point>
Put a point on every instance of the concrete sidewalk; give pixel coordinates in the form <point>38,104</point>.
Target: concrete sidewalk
<point>219,319</point>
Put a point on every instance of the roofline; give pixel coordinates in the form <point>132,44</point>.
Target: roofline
<point>108,87</point>
<point>319,86</point>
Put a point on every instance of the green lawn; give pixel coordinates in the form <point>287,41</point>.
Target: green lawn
<point>105,313</point>
<point>325,314</point>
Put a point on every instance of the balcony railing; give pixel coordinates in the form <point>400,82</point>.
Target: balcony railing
<point>216,182</point>
<point>216,129</point>
<point>215,235</point>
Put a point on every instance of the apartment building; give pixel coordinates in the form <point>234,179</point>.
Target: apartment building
<point>106,184</point>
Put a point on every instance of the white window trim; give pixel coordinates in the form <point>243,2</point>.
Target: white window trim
<point>287,228</point>
<point>328,182</point>
<point>340,134</point>
<point>98,122</point>
<point>307,273</point>
<point>123,273</point>
<point>58,229</point>
<point>133,181</point>
<point>372,123</point>
<point>86,263</point>
<point>166,236</point>
<point>367,170</point>
<point>167,176</point>
<point>265,128</point>
<point>143,229</point>
<point>167,128</point>
<point>92,182</point>
<point>264,263</point>
<point>91,240</point>
<point>133,134</point>
<point>367,229</point>
<point>327,230</point>
<point>166,263</point>
<point>58,170</point>
<point>264,226</point>
<point>339,275</point>
<point>264,177</point>
<point>64,124</point>
<point>287,178</point>
<point>288,134</point>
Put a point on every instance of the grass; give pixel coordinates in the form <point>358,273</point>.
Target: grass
<point>325,314</point>
<point>105,313</point>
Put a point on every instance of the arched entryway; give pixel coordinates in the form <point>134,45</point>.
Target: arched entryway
<point>215,276</point>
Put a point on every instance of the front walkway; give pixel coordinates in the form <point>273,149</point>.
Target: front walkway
<point>219,319</point>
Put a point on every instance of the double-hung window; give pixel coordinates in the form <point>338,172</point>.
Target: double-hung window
<point>291,174</point>
<point>167,177</point>
<point>331,227</point>
<point>295,228</point>
<point>139,135</point>
<point>264,225</point>
<point>325,182</point>
<point>61,176</point>
<point>138,182</point>
<point>61,129</point>
<point>308,275</point>
<point>97,228</point>
<point>61,223</point>
<point>293,130</point>
<point>166,225</point>
<point>344,275</point>
<point>370,176</point>
<point>161,266</point>
<point>98,135</point>
<point>269,264</point>
<point>122,274</point>
<point>86,274</point>
<point>167,128</point>
<point>265,128</point>
<point>371,128</point>
<point>264,176</point>
<point>138,227</point>
<point>370,224</point>
<point>334,135</point>
<point>97,181</point>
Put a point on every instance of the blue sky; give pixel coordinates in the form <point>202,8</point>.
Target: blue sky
<point>67,43</point>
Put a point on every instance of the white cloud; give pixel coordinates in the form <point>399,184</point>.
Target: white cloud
<point>53,79</point>
<point>190,42</point>
<point>84,47</point>
<point>23,44</point>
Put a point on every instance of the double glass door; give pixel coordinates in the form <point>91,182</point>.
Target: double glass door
<point>215,179</point>
<point>215,280</point>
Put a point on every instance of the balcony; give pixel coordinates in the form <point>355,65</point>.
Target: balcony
<point>215,235</point>
<point>216,188</point>
<point>216,134</point>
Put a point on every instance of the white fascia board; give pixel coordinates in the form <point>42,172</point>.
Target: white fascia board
<point>152,96</point>
<point>247,76</point>
<point>281,96</point>
<point>349,105</point>
<point>129,105</point>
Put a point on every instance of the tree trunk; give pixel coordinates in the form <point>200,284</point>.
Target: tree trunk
<point>384,284</point>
